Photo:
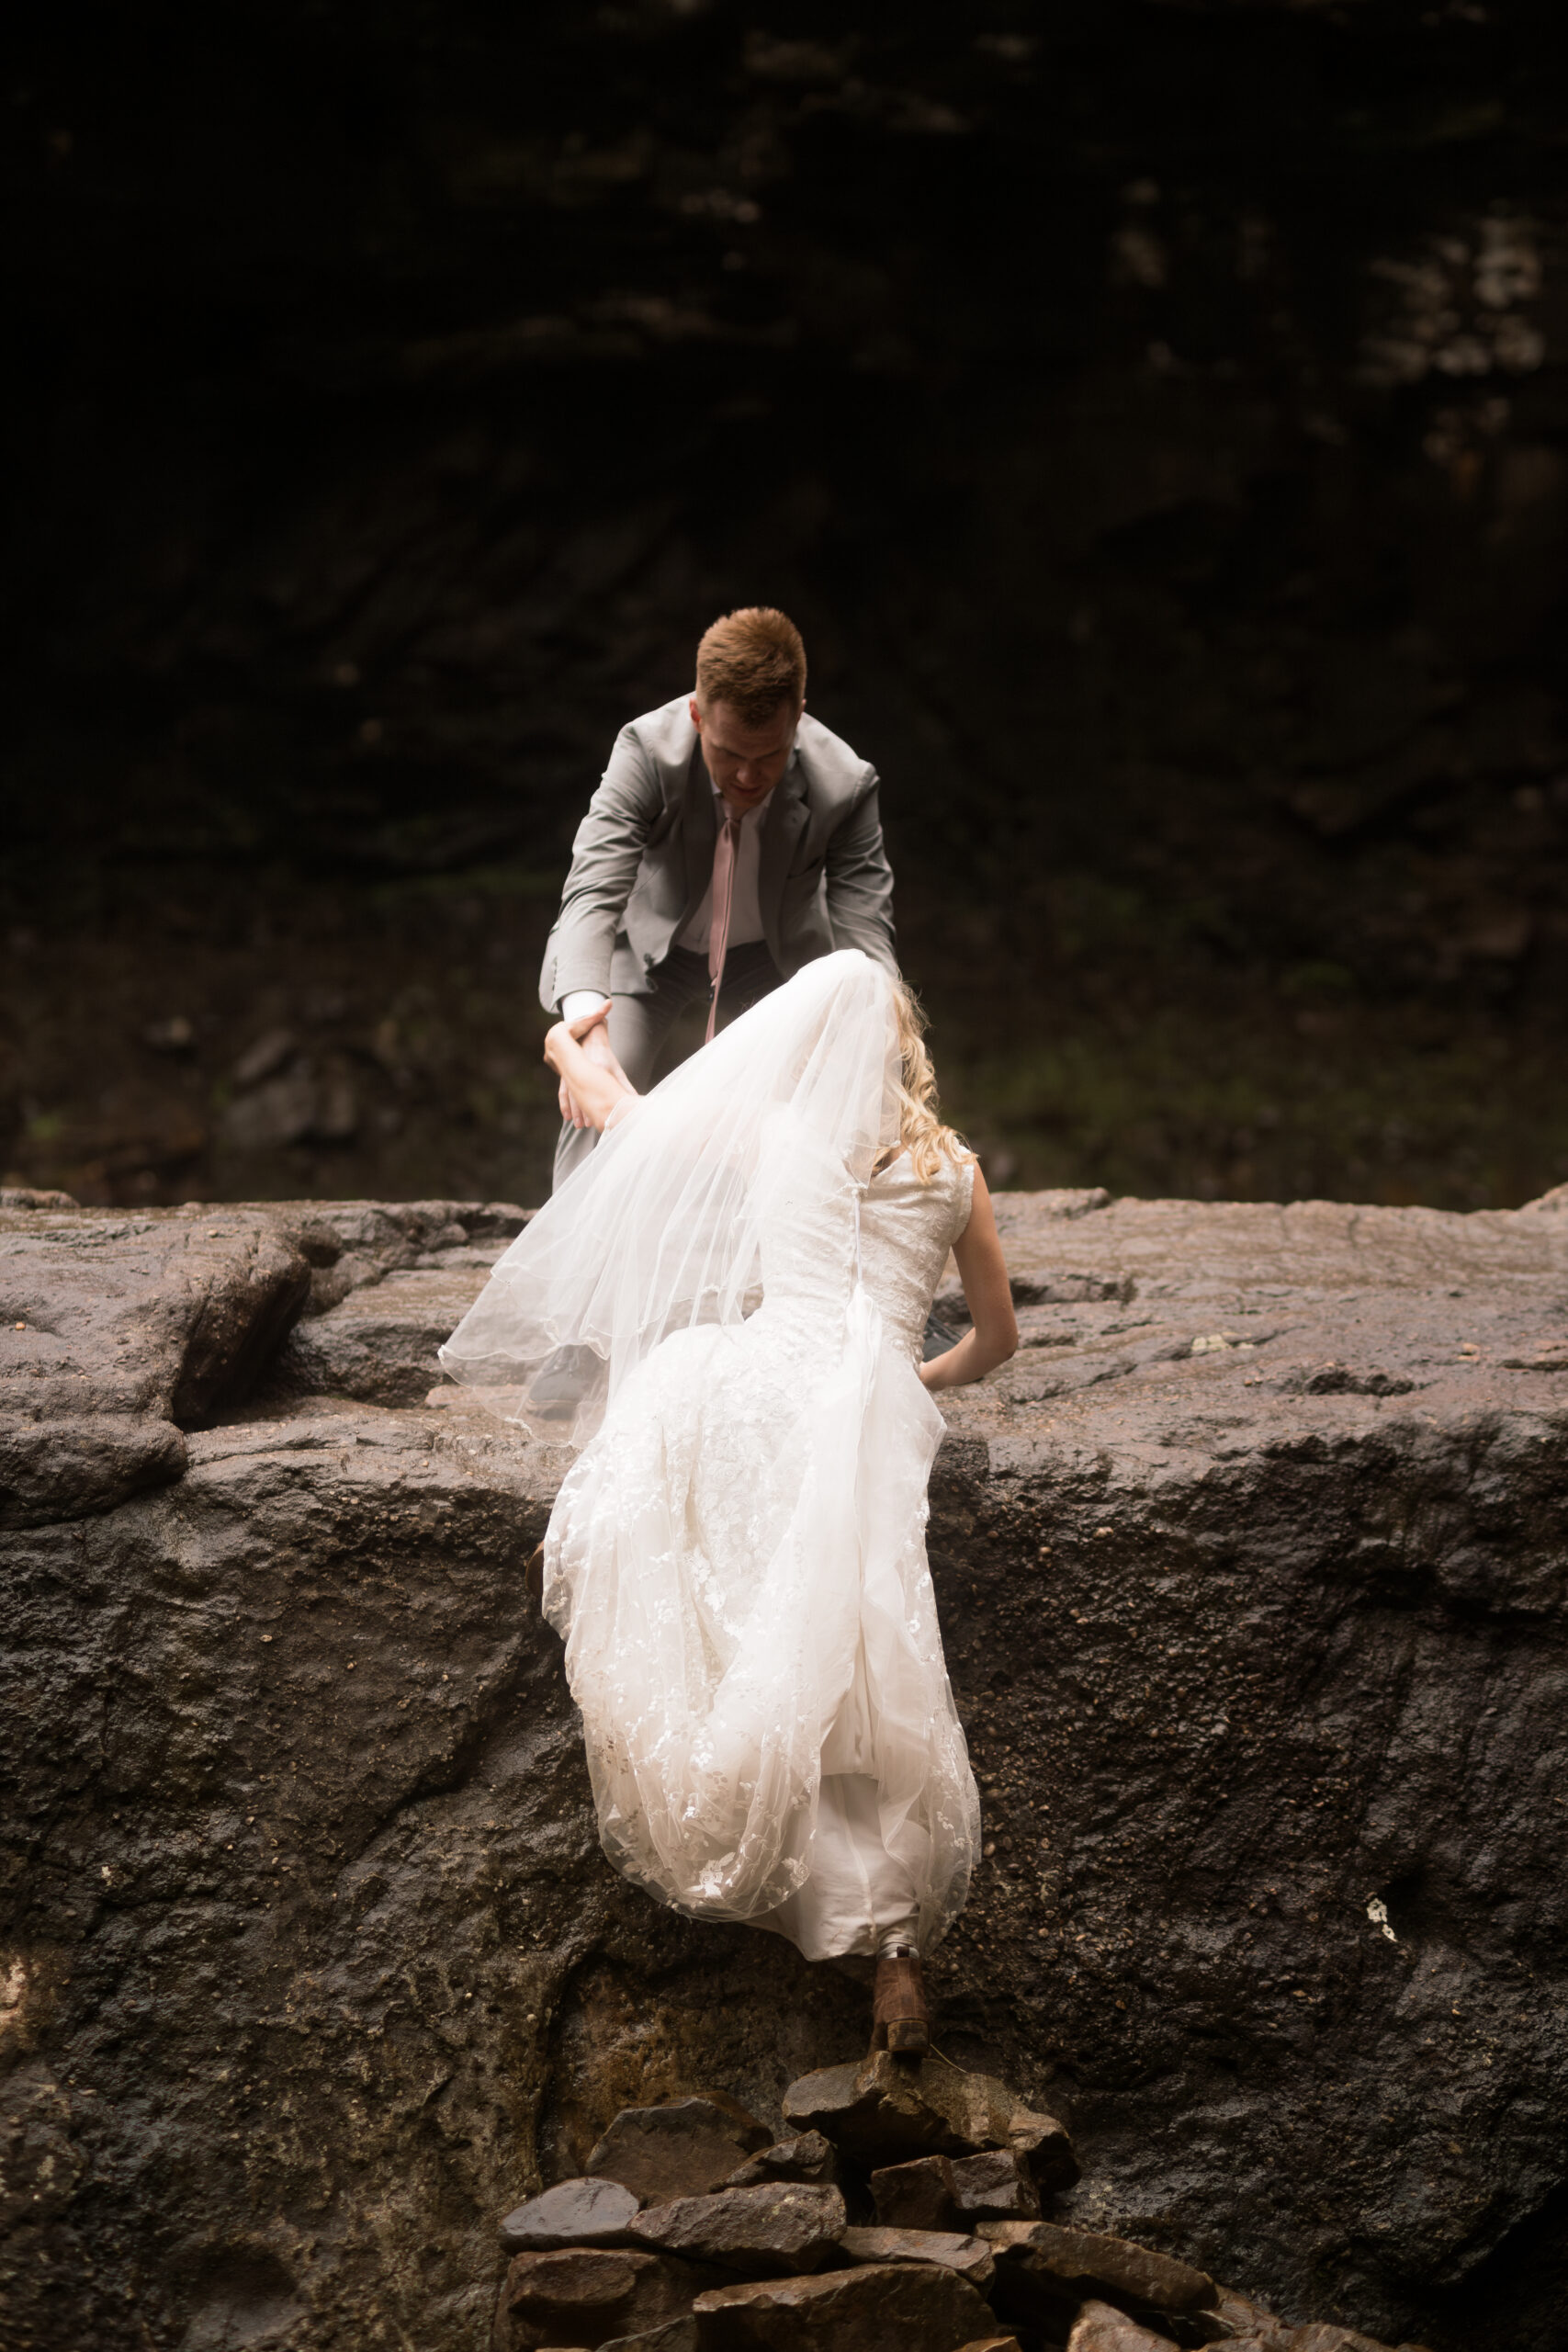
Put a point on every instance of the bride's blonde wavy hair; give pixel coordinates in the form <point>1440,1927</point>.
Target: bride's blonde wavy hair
<point>921,1132</point>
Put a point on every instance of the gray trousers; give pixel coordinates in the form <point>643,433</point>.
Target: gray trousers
<point>640,1026</point>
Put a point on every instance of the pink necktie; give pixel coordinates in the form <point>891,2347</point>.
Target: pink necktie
<point>725,851</point>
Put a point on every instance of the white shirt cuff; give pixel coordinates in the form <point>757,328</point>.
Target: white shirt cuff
<point>581,1000</point>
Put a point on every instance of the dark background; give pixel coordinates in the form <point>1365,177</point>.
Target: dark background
<point>1153,414</point>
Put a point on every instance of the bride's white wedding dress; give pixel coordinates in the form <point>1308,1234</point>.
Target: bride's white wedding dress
<point>736,1559</point>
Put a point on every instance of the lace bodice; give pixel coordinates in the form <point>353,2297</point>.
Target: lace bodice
<point>905,1231</point>
<point>808,1223</point>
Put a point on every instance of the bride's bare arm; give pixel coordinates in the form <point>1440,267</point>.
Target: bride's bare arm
<point>983,1271</point>
<point>598,1092</point>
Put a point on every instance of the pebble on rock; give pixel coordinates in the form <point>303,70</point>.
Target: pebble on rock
<point>782,2226</point>
<point>886,2307</point>
<point>971,2257</point>
<point>574,2212</point>
<point>684,2149</point>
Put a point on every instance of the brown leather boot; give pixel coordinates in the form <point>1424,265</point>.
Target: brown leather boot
<point>900,2021</point>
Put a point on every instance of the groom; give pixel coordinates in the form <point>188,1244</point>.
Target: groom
<point>731,840</point>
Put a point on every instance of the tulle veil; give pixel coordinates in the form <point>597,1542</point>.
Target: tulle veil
<point>716,1652</point>
<point>660,1228</point>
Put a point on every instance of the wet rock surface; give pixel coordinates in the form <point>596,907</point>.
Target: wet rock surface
<point>305,1912</point>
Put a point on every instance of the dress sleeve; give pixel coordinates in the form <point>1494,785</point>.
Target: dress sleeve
<point>963,1196</point>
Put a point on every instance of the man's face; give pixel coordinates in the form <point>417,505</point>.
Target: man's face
<point>745,761</point>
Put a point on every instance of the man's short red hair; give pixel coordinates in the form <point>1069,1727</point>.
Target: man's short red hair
<point>754,661</point>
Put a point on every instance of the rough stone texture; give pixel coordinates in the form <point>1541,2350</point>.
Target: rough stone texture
<point>780,2227</point>
<point>585,2297</point>
<point>1041,2270</point>
<point>1311,1669</point>
<point>995,2186</point>
<point>116,1333</point>
<point>684,2149</point>
<point>886,2307</point>
<point>305,1914</point>
<point>920,2195</point>
<point>883,2109</point>
<point>809,2156</point>
<point>574,2212</point>
<point>971,2257</point>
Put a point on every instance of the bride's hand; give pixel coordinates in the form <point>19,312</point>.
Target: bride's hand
<point>569,1045</point>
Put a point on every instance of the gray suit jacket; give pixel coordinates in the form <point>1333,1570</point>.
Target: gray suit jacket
<point>643,857</point>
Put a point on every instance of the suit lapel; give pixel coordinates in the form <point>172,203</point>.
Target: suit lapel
<point>783,821</point>
<point>701,833</point>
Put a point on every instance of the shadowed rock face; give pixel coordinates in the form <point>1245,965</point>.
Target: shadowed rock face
<point>313,1969</point>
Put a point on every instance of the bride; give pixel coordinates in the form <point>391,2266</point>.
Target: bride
<point>737,1280</point>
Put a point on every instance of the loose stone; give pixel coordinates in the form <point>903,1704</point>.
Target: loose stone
<point>971,2257</point>
<point>884,2111</point>
<point>575,2212</point>
<point>807,2157</point>
<point>587,2296</point>
<point>1100,2328</point>
<point>1043,2270</point>
<point>780,2227</point>
<point>886,2307</point>
<point>995,2186</point>
<point>922,2195</point>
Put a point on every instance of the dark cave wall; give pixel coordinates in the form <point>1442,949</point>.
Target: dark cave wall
<point>1153,415</point>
